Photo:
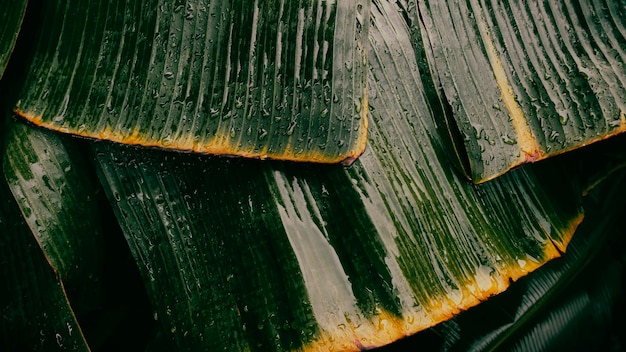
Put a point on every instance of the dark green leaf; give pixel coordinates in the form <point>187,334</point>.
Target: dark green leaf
<point>326,257</point>
<point>581,295</point>
<point>527,80</point>
<point>573,303</point>
<point>50,180</point>
<point>219,272</point>
<point>34,312</point>
<point>243,255</point>
<point>11,15</point>
<point>265,79</point>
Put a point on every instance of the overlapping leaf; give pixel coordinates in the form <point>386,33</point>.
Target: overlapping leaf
<point>340,258</point>
<point>51,183</point>
<point>269,78</point>
<point>34,310</point>
<point>243,255</point>
<point>570,304</point>
<point>11,15</point>
<point>527,80</point>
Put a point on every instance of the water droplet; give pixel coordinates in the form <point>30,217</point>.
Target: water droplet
<point>478,130</point>
<point>227,115</point>
<point>554,135</point>
<point>506,139</point>
<point>59,340</point>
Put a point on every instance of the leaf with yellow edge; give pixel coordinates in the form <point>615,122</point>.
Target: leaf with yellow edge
<point>264,79</point>
<point>327,258</point>
<point>548,309</point>
<point>526,80</point>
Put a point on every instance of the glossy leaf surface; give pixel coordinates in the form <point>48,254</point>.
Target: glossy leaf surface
<point>11,16</point>
<point>34,309</point>
<point>573,303</point>
<point>244,255</point>
<point>527,80</point>
<point>50,181</point>
<point>265,79</point>
<point>343,258</point>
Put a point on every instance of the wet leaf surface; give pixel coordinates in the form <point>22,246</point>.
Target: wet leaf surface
<point>263,79</point>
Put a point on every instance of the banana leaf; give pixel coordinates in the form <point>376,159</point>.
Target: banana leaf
<point>48,179</point>
<point>526,80</point>
<point>34,309</point>
<point>570,304</point>
<point>577,296</point>
<point>60,209</point>
<point>247,255</point>
<point>319,258</point>
<point>265,79</point>
<point>11,16</point>
<point>573,303</point>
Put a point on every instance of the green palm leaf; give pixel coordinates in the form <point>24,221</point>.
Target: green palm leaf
<point>338,227</point>
<point>51,184</point>
<point>239,254</point>
<point>573,303</point>
<point>284,80</point>
<point>34,309</point>
<point>527,80</point>
<point>10,22</point>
